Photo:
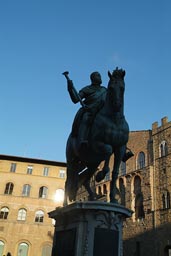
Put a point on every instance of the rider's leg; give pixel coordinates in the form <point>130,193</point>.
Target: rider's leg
<point>84,129</point>
<point>76,122</point>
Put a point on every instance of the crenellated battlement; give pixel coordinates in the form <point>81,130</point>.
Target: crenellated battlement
<point>164,125</point>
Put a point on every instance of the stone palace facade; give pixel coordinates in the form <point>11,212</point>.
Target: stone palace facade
<point>144,186</point>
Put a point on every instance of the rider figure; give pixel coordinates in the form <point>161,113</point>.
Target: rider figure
<point>93,97</point>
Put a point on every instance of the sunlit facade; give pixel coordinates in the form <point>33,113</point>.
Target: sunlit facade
<point>29,189</point>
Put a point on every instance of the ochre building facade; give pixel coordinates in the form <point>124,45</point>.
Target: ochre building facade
<point>144,186</point>
<point>29,189</point>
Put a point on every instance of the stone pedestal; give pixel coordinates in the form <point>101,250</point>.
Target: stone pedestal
<point>89,229</point>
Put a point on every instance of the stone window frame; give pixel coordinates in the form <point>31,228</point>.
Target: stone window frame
<point>43,192</point>
<point>46,250</point>
<point>30,169</point>
<point>137,196</point>
<point>46,171</point>
<point>99,190</point>
<point>20,245</point>
<point>4,212</point>
<point>104,189</point>
<point>141,160</point>
<point>26,190</point>
<point>22,214</point>
<point>62,174</point>
<point>2,245</point>
<point>39,216</point>
<point>166,200</point>
<point>13,167</point>
<point>9,187</point>
<point>163,148</point>
<point>59,195</point>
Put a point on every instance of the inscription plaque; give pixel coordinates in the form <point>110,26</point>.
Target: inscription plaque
<point>105,242</point>
<point>65,242</point>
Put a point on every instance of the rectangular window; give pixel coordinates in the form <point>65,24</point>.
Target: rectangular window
<point>62,174</point>
<point>29,169</point>
<point>26,190</point>
<point>45,171</point>
<point>13,167</point>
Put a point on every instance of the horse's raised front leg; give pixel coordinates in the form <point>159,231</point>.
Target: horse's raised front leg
<point>101,174</point>
<point>117,161</point>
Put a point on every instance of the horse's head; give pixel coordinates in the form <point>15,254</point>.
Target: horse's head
<point>116,88</point>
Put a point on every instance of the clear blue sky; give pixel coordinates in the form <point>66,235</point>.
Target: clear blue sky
<point>41,39</point>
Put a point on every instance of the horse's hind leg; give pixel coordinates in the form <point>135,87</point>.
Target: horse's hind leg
<point>113,189</point>
<point>90,172</point>
<point>92,195</point>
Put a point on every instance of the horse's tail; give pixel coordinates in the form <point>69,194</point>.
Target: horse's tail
<point>72,179</point>
<point>72,182</point>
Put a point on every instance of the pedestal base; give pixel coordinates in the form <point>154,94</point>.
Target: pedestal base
<point>89,229</point>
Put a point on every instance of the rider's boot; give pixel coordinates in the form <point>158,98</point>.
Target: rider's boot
<point>128,154</point>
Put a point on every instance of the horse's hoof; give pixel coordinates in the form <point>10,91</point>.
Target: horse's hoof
<point>91,198</point>
<point>65,204</point>
<point>100,176</point>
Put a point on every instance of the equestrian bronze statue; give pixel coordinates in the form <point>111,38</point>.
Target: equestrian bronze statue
<point>99,130</point>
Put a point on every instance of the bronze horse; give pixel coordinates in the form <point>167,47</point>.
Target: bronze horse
<point>108,134</point>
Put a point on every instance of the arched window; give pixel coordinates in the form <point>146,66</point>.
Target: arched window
<point>139,208</point>
<point>166,200</point>
<point>1,247</point>
<point>22,214</point>
<point>99,190</point>
<point>4,213</point>
<point>26,190</point>
<point>137,185</point>
<point>39,216</point>
<point>23,249</point>
<point>141,160</point>
<point>46,250</point>
<point>9,188</point>
<point>59,195</point>
<point>43,192</point>
<point>163,149</point>
<point>104,189</point>
<point>122,191</point>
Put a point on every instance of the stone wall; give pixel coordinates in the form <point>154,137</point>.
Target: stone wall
<point>148,231</point>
